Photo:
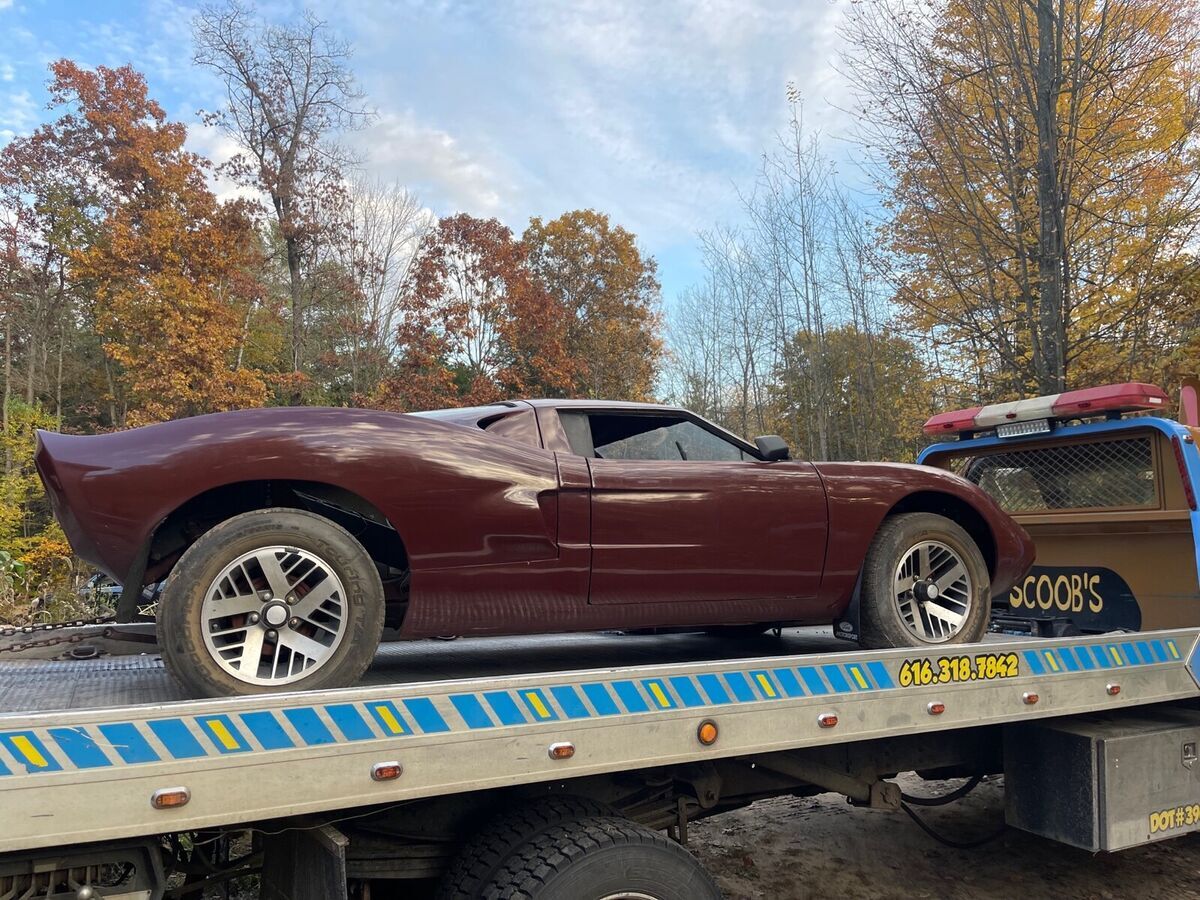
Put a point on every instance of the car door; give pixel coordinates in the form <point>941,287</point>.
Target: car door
<point>681,511</point>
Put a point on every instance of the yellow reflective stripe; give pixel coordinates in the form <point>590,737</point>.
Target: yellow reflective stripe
<point>858,677</point>
<point>1112,651</point>
<point>659,696</point>
<point>1171,647</point>
<point>538,706</point>
<point>228,741</point>
<point>1049,654</point>
<point>29,751</point>
<point>390,720</point>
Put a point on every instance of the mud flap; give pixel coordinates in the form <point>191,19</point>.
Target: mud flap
<point>846,626</point>
<point>305,864</point>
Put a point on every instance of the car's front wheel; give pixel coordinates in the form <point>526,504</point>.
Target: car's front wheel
<point>924,582</point>
<point>274,599</point>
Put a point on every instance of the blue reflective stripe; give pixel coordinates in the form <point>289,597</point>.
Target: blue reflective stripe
<point>880,673</point>
<point>686,689</point>
<point>787,679</point>
<point>570,701</point>
<point>602,700</point>
<point>1067,658</point>
<point>1102,658</point>
<point>266,728</point>
<point>472,711</point>
<point>628,694</point>
<point>80,748</point>
<point>505,707</point>
<point>309,726</point>
<point>1160,652</point>
<point>350,722</point>
<point>129,743</point>
<point>1144,649</point>
<point>28,750</point>
<point>1035,663</point>
<point>426,715</point>
<point>4,770</point>
<point>836,679</point>
<point>1084,658</point>
<point>712,686</point>
<point>180,742</point>
<point>812,680</point>
<point>740,687</point>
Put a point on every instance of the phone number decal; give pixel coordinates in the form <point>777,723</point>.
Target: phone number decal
<point>1179,817</point>
<point>951,669</point>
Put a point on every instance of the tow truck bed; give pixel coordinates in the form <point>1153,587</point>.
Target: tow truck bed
<point>72,774</point>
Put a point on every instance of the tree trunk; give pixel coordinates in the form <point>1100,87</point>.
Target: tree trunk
<point>296,288</point>
<point>7,392</point>
<point>1049,368</point>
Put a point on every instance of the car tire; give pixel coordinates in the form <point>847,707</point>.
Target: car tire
<point>480,858</point>
<point>207,607</point>
<point>601,856</point>
<point>950,581</point>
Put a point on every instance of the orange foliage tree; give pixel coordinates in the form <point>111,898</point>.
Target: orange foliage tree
<point>474,327</point>
<point>171,270</point>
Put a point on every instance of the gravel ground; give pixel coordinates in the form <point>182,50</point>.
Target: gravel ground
<point>820,847</point>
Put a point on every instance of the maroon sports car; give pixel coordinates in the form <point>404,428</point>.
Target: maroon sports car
<point>293,539</point>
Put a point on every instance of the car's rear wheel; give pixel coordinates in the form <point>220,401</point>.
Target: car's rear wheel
<point>274,599</point>
<point>924,582</point>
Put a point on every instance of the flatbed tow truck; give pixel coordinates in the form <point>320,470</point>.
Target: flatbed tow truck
<point>568,766</point>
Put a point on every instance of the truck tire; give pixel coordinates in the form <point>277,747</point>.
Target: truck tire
<point>482,855</point>
<point>273,599</point>
<point>601,856</point>
<point>924,583</point>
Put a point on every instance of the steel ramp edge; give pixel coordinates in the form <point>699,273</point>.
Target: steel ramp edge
<point>86,775</point>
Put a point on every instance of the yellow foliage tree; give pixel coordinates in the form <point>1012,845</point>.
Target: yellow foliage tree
<point>1043,158</point>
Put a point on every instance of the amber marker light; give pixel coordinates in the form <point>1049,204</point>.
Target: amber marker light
<point>170,798</point>
<point>1029,698</point>
<point>827,720</point>
<point>706,734</point>
<point>562,750</point>
<point>936,709</point>
<point>1113,689</point>
<point>386,771</point>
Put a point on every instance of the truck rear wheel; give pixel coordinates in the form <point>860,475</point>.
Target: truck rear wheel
<point>273,599</point>
<point>483,855</point>
<point>598,858</point>
<point>924,582</point>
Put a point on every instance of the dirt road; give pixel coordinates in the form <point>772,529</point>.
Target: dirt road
<point>796,849</point>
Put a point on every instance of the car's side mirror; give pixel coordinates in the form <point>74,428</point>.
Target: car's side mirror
<point>772,447</point>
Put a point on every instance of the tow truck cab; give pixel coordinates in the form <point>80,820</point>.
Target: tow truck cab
<point>1106,486</point>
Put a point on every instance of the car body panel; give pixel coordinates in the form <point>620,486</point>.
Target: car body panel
<point>505,529</point>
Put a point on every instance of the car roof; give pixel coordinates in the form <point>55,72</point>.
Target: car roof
<point>597,404</point>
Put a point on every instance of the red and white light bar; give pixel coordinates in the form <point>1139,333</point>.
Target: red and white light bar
<point>1110,398</point>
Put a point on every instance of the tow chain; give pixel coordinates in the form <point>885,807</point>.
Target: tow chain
<point>53,627</point>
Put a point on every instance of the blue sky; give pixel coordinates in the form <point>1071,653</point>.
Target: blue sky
<point>652,111</point>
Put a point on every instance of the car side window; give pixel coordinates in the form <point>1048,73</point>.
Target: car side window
<point>617,436</point>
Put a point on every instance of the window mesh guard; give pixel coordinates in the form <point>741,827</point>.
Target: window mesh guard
<point>1108,474</point>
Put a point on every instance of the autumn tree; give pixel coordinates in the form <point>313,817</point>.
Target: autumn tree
<point>609,292</point>
<point>289,94</point>
<point>473,325</point>
<point>1041,160</point>
<point>169,267</point>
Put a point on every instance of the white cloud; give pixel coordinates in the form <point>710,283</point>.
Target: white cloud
<point>212,143</point>
<point>433,162</point>
<point>7,72</point>
<point>18,114</point>
<point>6,4</point>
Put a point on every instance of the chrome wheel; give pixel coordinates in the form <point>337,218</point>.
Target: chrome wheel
<point>933,591</point>
<point>274,615</point>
